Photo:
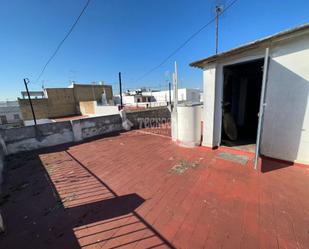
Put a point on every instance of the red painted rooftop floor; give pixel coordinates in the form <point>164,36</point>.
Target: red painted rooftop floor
<point>122,192</point>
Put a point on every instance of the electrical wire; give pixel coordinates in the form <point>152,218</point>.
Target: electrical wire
<point>185,42</point>
<point>63,40</point>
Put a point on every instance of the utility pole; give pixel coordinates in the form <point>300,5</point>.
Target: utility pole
<point>218,10</point>
<point>120,90</point>
<point>26,81</point>
<point>175,87</point>
<point>169,93</point>
<point>150,97</point>
<point>174,114</point>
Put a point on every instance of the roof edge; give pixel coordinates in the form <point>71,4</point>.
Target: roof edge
<point>248,46</point>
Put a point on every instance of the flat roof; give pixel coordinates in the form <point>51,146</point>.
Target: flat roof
<point>90,84</point>
<point>137,189</point>
<point>248,46</point>
<point>77,84</point>
<point>33,93</point>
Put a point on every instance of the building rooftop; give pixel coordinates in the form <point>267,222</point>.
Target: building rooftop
<point>9,103</point>
<point>95,84</point>
<point>139,190</point>
<point>251,45</point>
<point>70,118</point>
<point>24,94</point>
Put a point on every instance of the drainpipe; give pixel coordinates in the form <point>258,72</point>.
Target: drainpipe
<point>262,108</point>
<point>174,112</point>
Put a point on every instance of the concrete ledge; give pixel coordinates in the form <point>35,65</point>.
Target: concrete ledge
<point>91,127</point>
<point>141,117</point>
<point>2,154</point>
<point>45,135</point>
<point>35,137</point>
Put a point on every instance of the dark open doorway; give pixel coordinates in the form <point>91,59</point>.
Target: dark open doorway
<point>241,100</point>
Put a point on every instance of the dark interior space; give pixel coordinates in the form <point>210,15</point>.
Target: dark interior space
<point>241,100</point>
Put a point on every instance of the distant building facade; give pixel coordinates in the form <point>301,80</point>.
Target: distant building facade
<point>10,115</point>
<point>184,95</point>
<point>62,102</point>
<point>148,98</point>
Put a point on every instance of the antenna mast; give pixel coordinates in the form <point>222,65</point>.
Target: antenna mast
<point>218,11</point>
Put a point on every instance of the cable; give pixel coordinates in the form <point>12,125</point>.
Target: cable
<point>185,42</point>
<point>63,40</point>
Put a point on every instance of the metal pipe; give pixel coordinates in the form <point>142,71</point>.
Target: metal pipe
<point>175,87</point>
<point>26,81</point>
<point>169,93</point>
<point>262,107</point>
<point>120,90</point>
<point>218,10</point>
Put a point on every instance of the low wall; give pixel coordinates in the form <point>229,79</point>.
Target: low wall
<point>91,127</point>
<point>140,118</point>
<point>2,154</point>
<point>38,121</point>
<point>45,135</point>
<point>34,137</point>
<point>147,104</point>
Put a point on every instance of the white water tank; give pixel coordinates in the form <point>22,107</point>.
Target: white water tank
<point>189,127</point>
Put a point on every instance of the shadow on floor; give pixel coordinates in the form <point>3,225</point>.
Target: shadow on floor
<point>62,204</point>
<point>270,164</point>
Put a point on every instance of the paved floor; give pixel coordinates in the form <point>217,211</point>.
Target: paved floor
<point>137,190</point>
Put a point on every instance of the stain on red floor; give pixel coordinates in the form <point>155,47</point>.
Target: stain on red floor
<point>123,192</point>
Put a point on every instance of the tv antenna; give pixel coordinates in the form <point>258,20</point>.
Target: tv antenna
<point>218,10</point>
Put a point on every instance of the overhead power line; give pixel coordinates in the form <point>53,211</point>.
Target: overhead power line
<point>63,40</point>
<point>186,41</point>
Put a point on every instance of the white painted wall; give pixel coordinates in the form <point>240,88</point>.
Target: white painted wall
<point>209,76</point>
<point>285,133</point>
<point>106,110</point>
<point>286,120</point>
<point>184,94</point>
<point>128,99</point>
<point>189,125</point>
<point>100,110</point>
<point>162,97</point>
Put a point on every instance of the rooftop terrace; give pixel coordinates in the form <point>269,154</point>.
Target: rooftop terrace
<point>139,190</point>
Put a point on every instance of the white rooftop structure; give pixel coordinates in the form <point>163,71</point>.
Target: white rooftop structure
<point>258,94</point>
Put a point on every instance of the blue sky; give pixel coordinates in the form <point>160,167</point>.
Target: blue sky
<point>130,36</point>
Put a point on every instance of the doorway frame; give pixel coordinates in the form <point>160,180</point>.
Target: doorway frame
<point>258,54</point>
<point>220,89</point>
<point>213,92</point>
<point>222,93</point>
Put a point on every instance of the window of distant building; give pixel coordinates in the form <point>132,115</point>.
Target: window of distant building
<point>3,119</point>
<point>16,116</point>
